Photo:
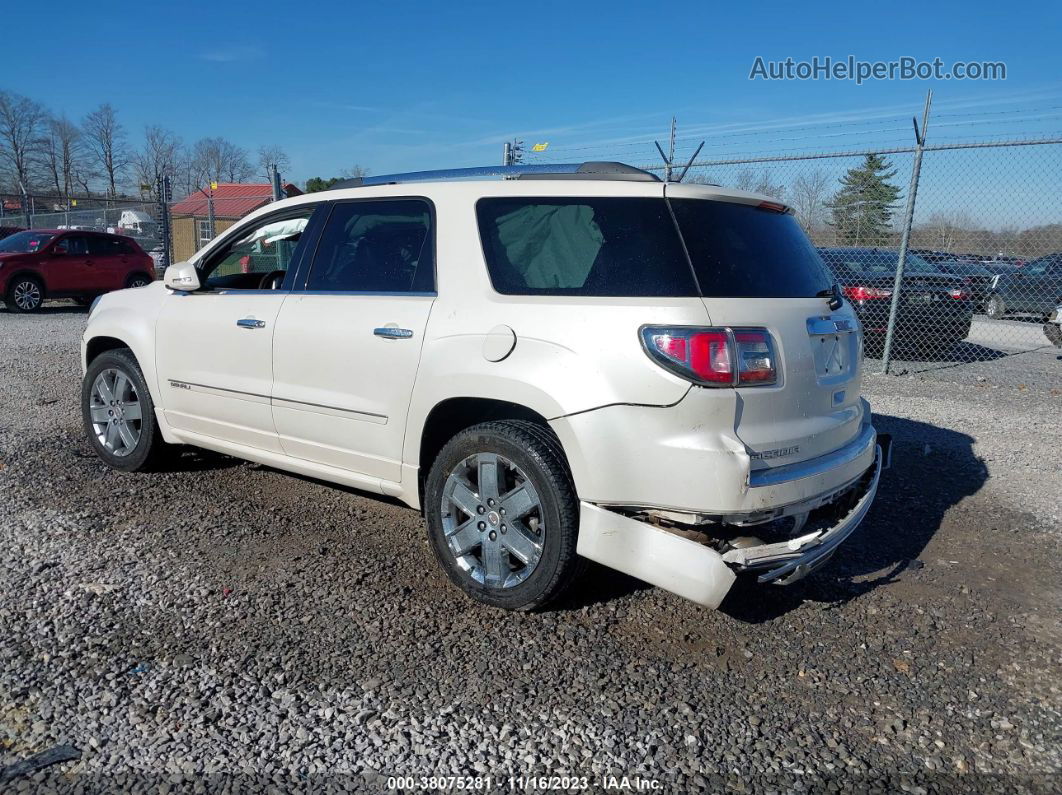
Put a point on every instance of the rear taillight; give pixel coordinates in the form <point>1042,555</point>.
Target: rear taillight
<point>959,293</point>
<point>713,356</point>
<point>860,293</point>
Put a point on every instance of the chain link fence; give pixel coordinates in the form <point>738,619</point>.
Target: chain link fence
<point>982,271</point>
<point>133,218</point>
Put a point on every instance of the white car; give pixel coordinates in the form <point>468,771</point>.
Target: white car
<point>571,361</point>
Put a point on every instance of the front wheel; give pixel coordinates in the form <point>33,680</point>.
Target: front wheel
<point>118,413</point>
<point>25,294</point>
<point>995,308</point>
<point>503,518</point>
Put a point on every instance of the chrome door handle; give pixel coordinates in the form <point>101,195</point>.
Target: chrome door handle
<point>391,333</point>
<point>250,322</point>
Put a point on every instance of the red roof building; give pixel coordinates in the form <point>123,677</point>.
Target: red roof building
<point>190,217</point>
<point>231,200</point>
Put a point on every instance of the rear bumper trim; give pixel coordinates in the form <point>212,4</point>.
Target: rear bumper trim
<point>774,476</point>
<point>789,561</point>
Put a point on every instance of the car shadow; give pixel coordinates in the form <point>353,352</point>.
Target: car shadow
<point>197,459</point>
<point>933,469</point>
<point>51,309</point>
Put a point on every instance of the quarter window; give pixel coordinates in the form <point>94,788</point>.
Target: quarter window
<point>585,246</point>
<point>375,246</point>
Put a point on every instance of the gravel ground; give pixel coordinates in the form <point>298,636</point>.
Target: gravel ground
<point>226,620</point>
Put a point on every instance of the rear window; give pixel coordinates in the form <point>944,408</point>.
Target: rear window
<point>741,251</point>
<point>617,247</point>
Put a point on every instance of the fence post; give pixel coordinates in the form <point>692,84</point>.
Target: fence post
<point>274,180</point>
<point>905,237</point>
<point>165,194</point>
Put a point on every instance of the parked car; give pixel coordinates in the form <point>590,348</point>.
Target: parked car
<point>1035,289</point>
<point>976,276</point>
<point>935,309</point>
<point>587,364</point>
<point>7,231</point>
<point>39,264</point>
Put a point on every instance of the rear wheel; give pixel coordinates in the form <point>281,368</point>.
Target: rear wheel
<point>137,280</point>
<point>995,308</point>
<point>26,294</point>
<point>503,518</point>
<point>118,413</point>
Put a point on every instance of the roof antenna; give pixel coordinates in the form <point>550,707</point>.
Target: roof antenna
<point>690,163</point>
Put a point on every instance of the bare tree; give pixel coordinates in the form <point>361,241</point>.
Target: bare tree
<point>809,194</point>
<point>220,160</point>
<point>63,155</point>
<point>355,171</point>
<point>160,155</point>
<point>747,180</point>
<point>949,227</point>
<point>105,138</point>
<point>272,156</point>
<point>22,126</point>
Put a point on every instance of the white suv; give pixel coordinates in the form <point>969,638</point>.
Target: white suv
<point>569,362</point>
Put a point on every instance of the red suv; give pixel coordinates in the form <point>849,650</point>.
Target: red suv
<point>56,263</point>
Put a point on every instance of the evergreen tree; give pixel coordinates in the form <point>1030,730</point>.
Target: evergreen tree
<point>863,207</point>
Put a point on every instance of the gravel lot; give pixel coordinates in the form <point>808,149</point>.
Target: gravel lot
<point>229,620</point>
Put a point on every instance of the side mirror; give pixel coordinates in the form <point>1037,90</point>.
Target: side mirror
<point>182,277</point>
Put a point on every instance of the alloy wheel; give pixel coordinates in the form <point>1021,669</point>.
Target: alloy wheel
<point>27,295</point>
<point>116,412</point>
<point>493,520</point>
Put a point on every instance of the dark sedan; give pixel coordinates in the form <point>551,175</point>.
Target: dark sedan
<point>976,275</point>
<point>1034,290</point>
<point>935,309</point>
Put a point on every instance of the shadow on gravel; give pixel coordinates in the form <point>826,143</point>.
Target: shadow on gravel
<point>52,309</point>
<point>192,459</point>
<point>933,469</point>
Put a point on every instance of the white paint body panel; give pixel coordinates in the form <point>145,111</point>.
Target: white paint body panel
<point>316,392</point>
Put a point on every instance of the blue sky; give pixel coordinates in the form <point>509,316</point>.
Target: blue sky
<point>406,85</point>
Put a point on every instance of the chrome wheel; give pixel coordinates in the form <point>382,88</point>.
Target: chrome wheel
<point>115,409</point>
<point>492,519</point>
<point>27,295</point>
<point>995,308</point>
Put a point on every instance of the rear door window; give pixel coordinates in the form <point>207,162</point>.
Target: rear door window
<point>611,246</point>
<point>742,251</point>
<point>375,246</point>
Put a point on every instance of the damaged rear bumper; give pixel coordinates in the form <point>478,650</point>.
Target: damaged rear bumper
<point>785,562</point>
<point>700,573</point>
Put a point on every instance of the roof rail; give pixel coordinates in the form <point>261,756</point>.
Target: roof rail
<point>589,170</point>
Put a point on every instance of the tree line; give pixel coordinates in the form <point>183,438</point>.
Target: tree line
<point>49,154</point>
<point>861,209</point>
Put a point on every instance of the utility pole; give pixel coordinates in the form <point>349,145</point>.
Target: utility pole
<point>274,180</point>
<point>513,153</point>
<point>670,153</point>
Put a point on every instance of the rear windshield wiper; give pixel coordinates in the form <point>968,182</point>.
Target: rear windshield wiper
<point>833,293</point>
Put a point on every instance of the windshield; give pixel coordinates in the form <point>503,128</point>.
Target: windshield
<point>870,262</point>
<point>25,242</point>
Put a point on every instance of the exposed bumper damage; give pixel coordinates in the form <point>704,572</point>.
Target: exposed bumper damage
<point>699,560</point>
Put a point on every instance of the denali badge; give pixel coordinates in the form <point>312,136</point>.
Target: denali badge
<point>179,385</point>
<point>781,452</point>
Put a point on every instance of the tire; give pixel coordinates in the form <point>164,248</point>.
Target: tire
<point>995,308</point>
<point>142,447</point>
<point>489,556</point>
<point>25,294</point>
<point>1053,333</point>
<point>137,280</point>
